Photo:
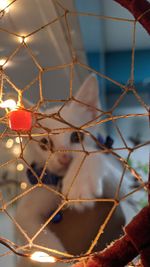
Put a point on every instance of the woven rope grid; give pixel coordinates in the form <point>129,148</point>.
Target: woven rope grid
<point>57,116</point>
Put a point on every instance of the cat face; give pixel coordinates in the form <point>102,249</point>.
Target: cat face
<point>75,114</point>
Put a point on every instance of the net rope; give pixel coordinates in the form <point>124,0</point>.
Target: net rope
<point>100,120</point>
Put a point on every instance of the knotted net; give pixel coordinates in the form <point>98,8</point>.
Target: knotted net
<point>26,137</point>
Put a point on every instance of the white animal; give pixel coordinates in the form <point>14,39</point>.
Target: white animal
<point>97,177</point>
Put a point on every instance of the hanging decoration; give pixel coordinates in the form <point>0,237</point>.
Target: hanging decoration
<point>20,120</point>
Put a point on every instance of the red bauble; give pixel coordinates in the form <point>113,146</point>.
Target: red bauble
<point>20,120</point>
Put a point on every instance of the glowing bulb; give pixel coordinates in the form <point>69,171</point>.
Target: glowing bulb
<point>9,103</point>
<point>20,167</point>
<point>9,143</point>
<point>42,257</point>
<point>22,39</point>
<point>4,4</point>
<point>23,185</point>
<point>2,61</point>
<point>18,140</point>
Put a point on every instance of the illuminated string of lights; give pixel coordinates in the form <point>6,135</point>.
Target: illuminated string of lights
<point>39,256</point>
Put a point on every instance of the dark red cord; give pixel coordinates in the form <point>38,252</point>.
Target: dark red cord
<point>140,9</point>
<point>135,241</point>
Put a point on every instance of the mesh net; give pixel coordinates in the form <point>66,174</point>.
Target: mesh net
<point>24,139</point>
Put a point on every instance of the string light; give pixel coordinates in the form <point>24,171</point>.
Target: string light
<point>40,256</point>
<point>4,4</point>
<point>2,61</point>
<point>9,103</point>
<point>22,39</point>
<point>18,140</point>
<point>9,143</point>
<point>20,166</point>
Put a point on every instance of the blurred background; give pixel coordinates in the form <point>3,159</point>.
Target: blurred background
<point>106,46</point>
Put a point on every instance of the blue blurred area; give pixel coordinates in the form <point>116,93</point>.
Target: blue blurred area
<point>118,65</point>
<point>115,64</point>
<point>94,60</point>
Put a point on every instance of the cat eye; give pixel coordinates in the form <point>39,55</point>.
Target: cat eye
<point>46,144</point>
<point>76,137</point>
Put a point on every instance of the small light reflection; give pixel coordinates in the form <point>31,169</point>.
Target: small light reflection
<point>20,167</point>
<point>9,143</point>
<point>18,140</point>
<point>22,39</point>
<point>23,185</point>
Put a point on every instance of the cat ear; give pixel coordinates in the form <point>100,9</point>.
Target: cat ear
<point>89,94</point>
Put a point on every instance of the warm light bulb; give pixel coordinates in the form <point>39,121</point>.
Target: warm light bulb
<point>20,167</point>
<point>2,61</point>
<point>22,39</point>
<point>42,257</point>
<point>4,4</point>
<point>9,143</point>
<point>9,103</point>
<point>18,140</point>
